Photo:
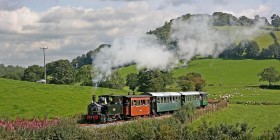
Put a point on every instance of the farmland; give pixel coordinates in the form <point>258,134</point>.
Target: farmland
<point>28,100</point>
<point>260,117</point>
<point>235,77</point>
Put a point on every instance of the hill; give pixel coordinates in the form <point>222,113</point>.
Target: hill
<point>29,99</point>
<point>234,77</point>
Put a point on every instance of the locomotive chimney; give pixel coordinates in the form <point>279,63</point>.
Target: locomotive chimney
<point>93,98</point>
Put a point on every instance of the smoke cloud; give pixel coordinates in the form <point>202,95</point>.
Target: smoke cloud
<point>195,36</point>
<point>143,50</point>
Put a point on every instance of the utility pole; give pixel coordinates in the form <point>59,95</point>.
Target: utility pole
<point>44,49</point>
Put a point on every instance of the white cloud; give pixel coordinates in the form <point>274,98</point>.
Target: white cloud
<point>250,13</point>
<point>18,20</point>
<point>68,31</point>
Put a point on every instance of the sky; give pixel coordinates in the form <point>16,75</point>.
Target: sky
<point>70,28</point>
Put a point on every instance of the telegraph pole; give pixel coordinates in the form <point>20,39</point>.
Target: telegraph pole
<point>44,49</point>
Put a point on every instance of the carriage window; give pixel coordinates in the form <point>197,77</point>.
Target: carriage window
<point>158,99</point>
<point>137,102</point>
<point>134,103</point>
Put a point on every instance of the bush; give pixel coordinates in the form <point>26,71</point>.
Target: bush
<point>184,113</point>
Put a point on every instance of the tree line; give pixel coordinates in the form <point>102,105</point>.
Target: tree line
<point>250,49</point>
<point>218,19</point>
<point>155,81</point>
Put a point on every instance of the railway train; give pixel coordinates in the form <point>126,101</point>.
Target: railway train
<point>111,108</point>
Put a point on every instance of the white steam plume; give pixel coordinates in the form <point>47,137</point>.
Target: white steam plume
<point>144,50</point>
<point>195,36</point>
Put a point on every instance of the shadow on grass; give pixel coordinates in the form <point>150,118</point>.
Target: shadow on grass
<point>270,87</point>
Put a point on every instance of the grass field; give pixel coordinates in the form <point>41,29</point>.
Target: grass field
<point>28,99</point>
<point>262,36</point>
<point>261,117</point>
<point>237,77</point>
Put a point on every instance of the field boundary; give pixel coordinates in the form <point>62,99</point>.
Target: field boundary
<point>209,109</point>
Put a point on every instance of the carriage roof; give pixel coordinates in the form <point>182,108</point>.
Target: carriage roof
<point>190,93</point>
<point>193,93</point>
<point>163,93</point>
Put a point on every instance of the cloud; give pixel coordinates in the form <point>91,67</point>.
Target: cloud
<point>10,4</point>
<point>17,20</point>
<point>262,10</point>
<point>70,31</point>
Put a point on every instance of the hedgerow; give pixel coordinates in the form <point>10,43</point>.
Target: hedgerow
<point>143,129</point>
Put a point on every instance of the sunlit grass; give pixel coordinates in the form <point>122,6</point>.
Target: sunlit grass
<point>28,100</point>
<point>261,117</point>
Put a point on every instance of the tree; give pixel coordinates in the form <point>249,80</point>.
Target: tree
<point>191,81</point>
<point>245,21</point>
<point>33,73</point>
<point>61,71</point>
<point>132,81</point>
<point>84,75</point>
<point>275,21</point>
<point>252,49</point>
<point>266,53</point>
<point>114,81</point>
<point>154,80</point>
<point>86,59</point>
<point>11,72</point>
<point>270,74</point>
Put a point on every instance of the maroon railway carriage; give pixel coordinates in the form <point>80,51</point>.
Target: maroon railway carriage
<point>136,105</point>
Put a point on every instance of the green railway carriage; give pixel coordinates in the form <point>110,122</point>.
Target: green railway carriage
<point>204,101</point>
<point>191,97</point>
<point>165,101</point>
<point>196,98</point>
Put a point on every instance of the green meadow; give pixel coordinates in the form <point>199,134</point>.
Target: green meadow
<point>29,99</point>
<point>262,36</point>
<point>262,118</point>
<point>238,78</point>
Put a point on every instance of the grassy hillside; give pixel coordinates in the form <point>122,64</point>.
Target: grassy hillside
<point>264,40</point>
<point>237,77</point>
<point>262,36</point>
<point>261,117</point>
<point>26,99</point>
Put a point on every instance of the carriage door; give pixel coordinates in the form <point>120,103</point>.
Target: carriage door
<point>126,106</point>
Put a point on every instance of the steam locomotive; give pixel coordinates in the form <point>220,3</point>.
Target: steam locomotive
<point>111,108</point>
